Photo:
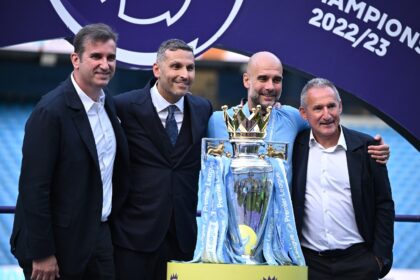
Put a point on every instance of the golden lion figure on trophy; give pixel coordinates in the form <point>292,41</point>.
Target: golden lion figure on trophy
<point>216,151</point>
<point>271,152</point>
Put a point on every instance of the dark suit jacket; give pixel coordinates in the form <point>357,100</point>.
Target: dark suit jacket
<point>370,190</point>
<point>164,181</point>
<point>59,206</point>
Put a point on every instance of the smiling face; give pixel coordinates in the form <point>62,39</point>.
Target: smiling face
<point>95,67</point>
<point>263,80</point>
<point>175,74</point>
<point>322,109</point>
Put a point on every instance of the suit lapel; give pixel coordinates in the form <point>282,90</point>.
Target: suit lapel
<point>355,167</point>
<point>302,162</point>
<point>81,121</point>
<point>301,154</point>
<point>148,118</point>
<point>195,122</point>
<point>190,115</point>
<point>110,110</point>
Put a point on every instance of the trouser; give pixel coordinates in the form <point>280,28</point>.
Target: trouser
<point>148,265</point>
<point>99,267</point>
<point>355,262</point>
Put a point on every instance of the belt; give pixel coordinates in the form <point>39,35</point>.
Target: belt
<point>337,252</point>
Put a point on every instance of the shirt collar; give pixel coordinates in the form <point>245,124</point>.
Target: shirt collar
<point>161,103</point>
<point>87,102</point>
<point>341,141</point>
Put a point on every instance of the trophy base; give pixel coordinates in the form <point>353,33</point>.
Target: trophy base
<point>211,271</point>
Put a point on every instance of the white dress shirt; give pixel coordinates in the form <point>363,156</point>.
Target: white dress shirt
<point>161,106</point>
<point>329,220</point>
<point>106,144</point>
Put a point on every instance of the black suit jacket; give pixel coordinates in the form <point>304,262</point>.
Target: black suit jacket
<point>164,181</point>
<point>370,190</point>
<point>59,206</point>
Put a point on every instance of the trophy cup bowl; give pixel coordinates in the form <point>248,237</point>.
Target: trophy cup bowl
<point>251,193</point>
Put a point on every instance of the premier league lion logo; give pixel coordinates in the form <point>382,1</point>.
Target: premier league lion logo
<point>142,25</point>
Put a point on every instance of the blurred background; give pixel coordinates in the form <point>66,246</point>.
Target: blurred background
<point>28,71</point>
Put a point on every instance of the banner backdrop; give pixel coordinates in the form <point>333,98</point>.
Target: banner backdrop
<point>370,49</point>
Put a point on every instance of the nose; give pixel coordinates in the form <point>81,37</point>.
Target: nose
<point>183,73</point>
<point>104,63</point>
<point>325,113</point>
<point>269,85</point>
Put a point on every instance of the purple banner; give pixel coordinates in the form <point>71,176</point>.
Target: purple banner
<point>368,48</point>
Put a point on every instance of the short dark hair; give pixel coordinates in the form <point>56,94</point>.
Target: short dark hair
<point>172,45</point>
<point>93,32</point>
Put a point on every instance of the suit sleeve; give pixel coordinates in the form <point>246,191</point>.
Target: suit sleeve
<point>40,154</point>
<point>384,215</point>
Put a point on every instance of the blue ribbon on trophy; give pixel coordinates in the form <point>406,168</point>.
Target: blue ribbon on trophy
<point>247,215</point>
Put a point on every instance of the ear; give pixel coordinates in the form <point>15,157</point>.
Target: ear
<point>75,60</point>
<point>245,80</point>
<point>156,70</point>
<point>302,112</point>
<point>340,107</point>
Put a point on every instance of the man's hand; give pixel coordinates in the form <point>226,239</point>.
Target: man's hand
<point>45,269</point>
<point>381,152</point>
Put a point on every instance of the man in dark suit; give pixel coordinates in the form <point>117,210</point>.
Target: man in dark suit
<point>164,125</point>
<point>74,158</point>
<point>342,198</point>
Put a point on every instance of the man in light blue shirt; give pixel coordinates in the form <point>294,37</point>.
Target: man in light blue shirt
<point>263,80</point>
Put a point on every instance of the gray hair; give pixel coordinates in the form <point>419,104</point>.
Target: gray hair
<point>317,83</point>
<point>96,32</point>
<point>172,45</point>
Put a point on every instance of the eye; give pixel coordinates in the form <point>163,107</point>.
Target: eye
<point>112,57</point>
<point>277,80</point>
<point>176,66</point>
<point>95,56</point>
<point>262,78</point>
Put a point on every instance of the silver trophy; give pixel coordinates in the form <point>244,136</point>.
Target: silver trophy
<point>250,194</point>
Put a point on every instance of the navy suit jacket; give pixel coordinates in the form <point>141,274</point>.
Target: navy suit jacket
<point>370,190</point>
<point>164,179</point>
<point>59,206</point>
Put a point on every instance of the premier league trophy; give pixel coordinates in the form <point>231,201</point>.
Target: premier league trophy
<point>246,213</point>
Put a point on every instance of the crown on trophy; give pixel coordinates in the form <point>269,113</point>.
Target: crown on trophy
<point>241,127</point>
